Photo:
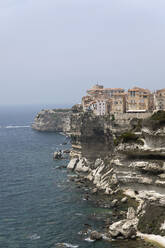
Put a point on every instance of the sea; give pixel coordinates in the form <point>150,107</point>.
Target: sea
<point>40,207</point>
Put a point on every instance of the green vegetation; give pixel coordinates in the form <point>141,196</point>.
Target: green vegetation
<point>113,118</point>
<point>151,221</point>
<point>127,137</point>
<point>156,121</point>
<point>62,110</point>
<point>159,116</point>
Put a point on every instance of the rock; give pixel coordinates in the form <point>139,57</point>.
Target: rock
<point>81,166</point>
<point>114,179</point>
<point>98,162</point>
<point>114,203</point>
<point>162,176</point>
<point>131,214</point>
<point>53,120</point>
<point>94,190</point>
<point>160,182</point>
<point>95,235</point>
<point>124,200</point>
<point>125,228</point>
<point>66,151</point>
<point>57,155</point>
<point>108,191</point>
<point>72,163</point>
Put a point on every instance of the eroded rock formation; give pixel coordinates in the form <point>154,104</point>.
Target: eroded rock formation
<point>132,160</point>
<point>54,120</point>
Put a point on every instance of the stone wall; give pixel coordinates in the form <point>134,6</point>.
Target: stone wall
<point>124,118</point>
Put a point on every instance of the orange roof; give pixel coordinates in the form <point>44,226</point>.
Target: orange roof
<point>139,89</point>
<point>161,90</point>
<point>114,89</point>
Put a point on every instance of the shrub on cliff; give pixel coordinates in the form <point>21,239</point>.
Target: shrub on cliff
<point>156,121</point>
<point>127,137</point>
<point>159,116</point>
<point>77,108</point>
<point>62,110</point>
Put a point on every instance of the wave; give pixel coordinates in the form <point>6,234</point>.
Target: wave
<point>68,245</point>
<point>34,237</point>
<point>17,126</point>
<point>89,240</point>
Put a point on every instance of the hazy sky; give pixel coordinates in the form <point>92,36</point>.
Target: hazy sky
<point>51,51</point>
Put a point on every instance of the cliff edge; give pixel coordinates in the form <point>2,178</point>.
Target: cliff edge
<point>54,120</point>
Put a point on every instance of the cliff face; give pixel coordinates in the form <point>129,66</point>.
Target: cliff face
<point>52,121</point>
<point>115,158</point>
<point>91,136</point>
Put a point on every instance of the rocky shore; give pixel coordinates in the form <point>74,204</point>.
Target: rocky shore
<point>115,212</point>
<point>125,163</point>
<point>129,162</point>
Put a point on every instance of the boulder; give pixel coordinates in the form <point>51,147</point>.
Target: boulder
<point>114,203</point>
<point>95,235</point>
<point>57,155</point>
<point>81,166</point>
<point>125,228</point>
<point>131,213</point>
<point>72,164</point>
<point>124,199</point>
<point>94,190</point>
<point>108,191</point>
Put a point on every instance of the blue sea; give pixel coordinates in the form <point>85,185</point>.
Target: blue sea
<point>39,206</point>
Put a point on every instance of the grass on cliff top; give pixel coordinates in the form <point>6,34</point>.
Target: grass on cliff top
<point>158,116</point>
<point>127,137</point>
<point>156,121</point>
<point>62,110</point>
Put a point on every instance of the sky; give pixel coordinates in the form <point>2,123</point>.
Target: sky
<point>52,51</point>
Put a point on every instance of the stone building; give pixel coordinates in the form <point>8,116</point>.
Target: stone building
<point>118,103</point>
<point>96,91</point>
<point>103,101</point>
<point>100,106</point>
<point>100,91</point>
<point>86,100</point>
<point>159,99</point>
<point>138,100</point>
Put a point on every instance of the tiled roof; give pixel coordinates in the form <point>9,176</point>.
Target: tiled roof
<point>139,89</point>
<point>161,90</point>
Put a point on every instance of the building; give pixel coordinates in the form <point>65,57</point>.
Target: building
<point>100,91</point>
<point>103,101</point>
<point>96,91</point>
<point>110,92</point>
<point>159,99</point>
<point>138,100</point>
<point>118,104</point>
<point>86,100</point>
<point>99,106</point>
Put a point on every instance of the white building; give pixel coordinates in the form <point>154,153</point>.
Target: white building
<point>98,107</point>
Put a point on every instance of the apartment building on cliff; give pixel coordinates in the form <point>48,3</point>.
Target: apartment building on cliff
<point>159,99</point>
<point>139,100</point>
<point>103,101</point>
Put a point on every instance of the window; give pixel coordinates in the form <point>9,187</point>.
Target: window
<point>132,93</point>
